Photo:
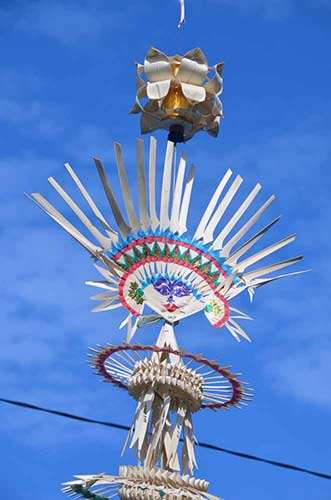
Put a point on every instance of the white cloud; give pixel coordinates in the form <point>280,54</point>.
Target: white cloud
<point>267,8</point>
<point>32,117</point>
<point>303,373</point>
<point>275,10</point>
<point>68,22</point>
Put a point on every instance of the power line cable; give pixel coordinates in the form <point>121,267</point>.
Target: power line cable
<point>201,444</point>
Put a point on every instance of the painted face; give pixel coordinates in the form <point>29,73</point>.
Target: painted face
<point>172,278</point>
<point>172,290</point>
<point>173,299</point>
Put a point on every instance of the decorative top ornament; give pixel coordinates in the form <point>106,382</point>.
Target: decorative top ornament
<point>152,263</point>
<point>181,97</point>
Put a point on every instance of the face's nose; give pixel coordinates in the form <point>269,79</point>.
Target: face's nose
<point>171,299</point>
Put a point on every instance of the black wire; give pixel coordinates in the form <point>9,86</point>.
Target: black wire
<point>201,444</point>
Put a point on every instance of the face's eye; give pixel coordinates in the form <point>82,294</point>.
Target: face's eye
<point>162,286</point>
<point>179,289</point>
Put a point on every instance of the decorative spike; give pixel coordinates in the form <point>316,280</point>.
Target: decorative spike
<point>63,222</point>
<point>226,250</point>
<point>151,178</point>
<point>111,233</point>
<point>104,241</point>
<point>128,202</point>
<point>186,201</point>
<point>209,232</point>
<point>174,220</point>
<point>269,269</point>
<point>198,235</point>
<point>166,183</point>
<point>232,259</point>
<point>218,243</point>
<point>241,266</point>
<point>123,227</point>
<point>143,214</point>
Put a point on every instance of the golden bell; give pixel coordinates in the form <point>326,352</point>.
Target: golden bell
<point>175,99</point>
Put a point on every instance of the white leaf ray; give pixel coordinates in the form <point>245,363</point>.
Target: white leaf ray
<point>227,284</point>
<point>263,281</point>
<point>134,327</point>
<point>234,291</point>
<point>111,232</point>
<point>105,295</point>
<point>174,218</point>
<point>127,198</point>
<point>104,241</point>
<point>239,252</point>
<point>64,223</point>
<point>107,306</point>
<point>112,265</point>
<point>232,330</point>
<point>101,284</point>
<point>209,231</point>
<point>151,180</point>
<point>125,321</point>
<point>143,214</point>
<point>218,243</point>
<point>241,266</point>
<point>166,183</point>
<point>211,206</point>
<point>123,227</point>
<point>269,269</point>
<point>107,274</point>
<point>239,330</point>
<point>186,201</point>
<point>241,314</point>
<point>226,250</point>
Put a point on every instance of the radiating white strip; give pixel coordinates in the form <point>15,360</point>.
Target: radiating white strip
<point>226,250</point>
<point>151,181</point>
<point>111,232</point>
<point>143,214</point>
<point>127,198</point>
<point>174,219</point>
<point>101,284</point>
<point>238,328</point>
<point>104,295</point>
<point>103,240</point>
<point>107,306</point>
<point>123,227</point>
<point>263,281</point>
<point>211,206</point>
<point>106,274</point>
<point>232,259</point>
<point>166,183</point>
<point>269,269</point>
<point>218,243</point>
<point>241,266</point>
<point>63,222</point>
<point>186,201</point>
<point>209,231</point>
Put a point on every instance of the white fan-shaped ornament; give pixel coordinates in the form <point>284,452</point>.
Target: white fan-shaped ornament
<point>151,262</point>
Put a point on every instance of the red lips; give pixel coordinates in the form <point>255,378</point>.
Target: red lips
<point>171,307</point>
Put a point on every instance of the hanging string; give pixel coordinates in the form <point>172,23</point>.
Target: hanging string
<point>182,13</point>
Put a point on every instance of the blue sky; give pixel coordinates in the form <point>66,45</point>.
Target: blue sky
<point>67,81</point>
